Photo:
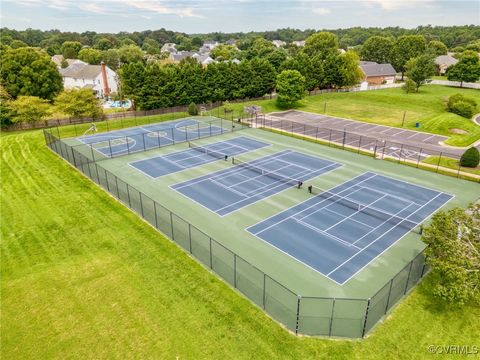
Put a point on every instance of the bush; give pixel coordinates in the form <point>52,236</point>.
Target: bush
<point>192,109</point>
<point>462,105</point>
<point>470,158</point>
<point>409,86</point>
<point>459,97</point>
<point>462,108</point>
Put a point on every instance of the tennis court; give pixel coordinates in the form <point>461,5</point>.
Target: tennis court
<point>248,182</point>
<point>141,138</point>
<point>340,231</point>
<point>197,155</point>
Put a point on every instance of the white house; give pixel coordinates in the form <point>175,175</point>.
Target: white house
<point>279,43</point>
<point>58,59</point>
<point>203,59</point>
<point>169,47</point>
<point>100,78</point>
<point>300,43</point>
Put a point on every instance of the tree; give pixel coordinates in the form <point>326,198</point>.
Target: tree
<point>405,48</point>
<point>466,69</point>
<point>5,110</point>
<point>130,54</point>
<point>470,158</point>
<point>16,44</point>
<point>224,52</point>
<point>420,68</point>
<point>103,44</point>
<point>378,49</point>
<point>30,109</point>
<point>453,253</point>
<point>30,72</point>
<point>321,44</point>
<point>437,47</point>
<point>90,56</point>
<point>70,49</point>
<point>462,105</point>
<point>192,109</point>
<point>409,86</point>
<point>150,46</point>
<point>111,58</point>
<point>351,73</point>
<point>290,88</point>
<point>79,103</point>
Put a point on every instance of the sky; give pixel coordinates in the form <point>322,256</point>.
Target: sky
<point>195,16</point>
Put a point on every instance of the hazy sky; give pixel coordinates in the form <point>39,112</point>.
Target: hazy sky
<point>194,16</point>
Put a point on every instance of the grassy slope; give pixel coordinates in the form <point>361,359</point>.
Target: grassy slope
<point>83,277</point>
<point>386,107</point>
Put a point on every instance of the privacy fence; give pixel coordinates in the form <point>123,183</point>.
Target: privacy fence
<point>419,157</point>
<point>300,313</point>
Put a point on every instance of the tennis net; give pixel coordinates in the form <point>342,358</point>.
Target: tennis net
<point>205,150</point>
<point>268,173</point>
<point>367,209</point>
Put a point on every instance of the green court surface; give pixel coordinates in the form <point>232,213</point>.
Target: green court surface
<point>229,230</point>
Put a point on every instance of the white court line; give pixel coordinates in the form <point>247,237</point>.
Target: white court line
<point>386,221</point>
<point>230,171</point>
<point>428,138</point>
<point>389,230</point>
<point>308,208</point>
<point>337,213</point>
<point>323,232</point>
<point>228,188</point>
<point>280,184</point>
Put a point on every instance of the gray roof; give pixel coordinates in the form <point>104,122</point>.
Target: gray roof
<point>81,71</point>
<point>445,60</point>
<point>182,55</point>
<point>202,58</point>
<point>377,69</point>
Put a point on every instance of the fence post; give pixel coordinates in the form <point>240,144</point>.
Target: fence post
<point>116,184</point>
<point>155,212</point>
<point>128,146</point>
<point>389,292</point>
<point>141,204</point>
<point>439,159</point>
<point>190,237</point>
<point>211,262</point>
<point>419,155</point>
<point>171,224</point>
<point>143,138</point>
<point>234,270</point>
<point>331,318</point>
<point>128,195</point>
<point>264,288</point>
<point>110,146</point>
<point>400,154</point>
<point>408,277</point>
<point>298,313</point>
<point>366,317</point>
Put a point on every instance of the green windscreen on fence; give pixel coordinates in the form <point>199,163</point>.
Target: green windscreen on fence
<point>223,262</point>
<point>315,316</point>
<point>181,232</point>
<point>200,246</point>
<point>281,303</point>
<point>348,317</point>
<point>249,280</point>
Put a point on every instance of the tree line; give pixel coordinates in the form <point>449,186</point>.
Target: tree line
<point>52,40</point>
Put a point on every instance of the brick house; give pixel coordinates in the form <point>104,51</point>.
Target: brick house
<point>377,74</point>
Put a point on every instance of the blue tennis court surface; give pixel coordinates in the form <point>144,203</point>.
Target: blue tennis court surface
<point>152,136</point>
<point>229,190</point>
<point>333,236</point>
<point>186,159</point>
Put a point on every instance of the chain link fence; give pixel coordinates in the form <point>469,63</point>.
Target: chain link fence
<point>315,316</point>
<point>419,157</point>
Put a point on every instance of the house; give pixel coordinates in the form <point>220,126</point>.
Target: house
<point>210,44</point>
<point>377,74</point>
<point>443,62</point>
<point>58,59</point>
<point>299,43</point>
<point>203,59</point>
<point>231,42</point>
<point>179,56</point>
<point>100,78</point>
<point>169,47</point>
<point>204,50</point>
<point>279,43</point>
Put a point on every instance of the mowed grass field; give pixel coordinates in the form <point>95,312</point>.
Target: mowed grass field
<point>82,277</point>
<point>387,107</point>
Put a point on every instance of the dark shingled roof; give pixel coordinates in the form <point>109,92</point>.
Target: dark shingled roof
<point>377,69</point>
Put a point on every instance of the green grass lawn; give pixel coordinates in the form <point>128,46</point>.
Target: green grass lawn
<point>387,107</point>
<point>84,277</point>
<point>450,163</point>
